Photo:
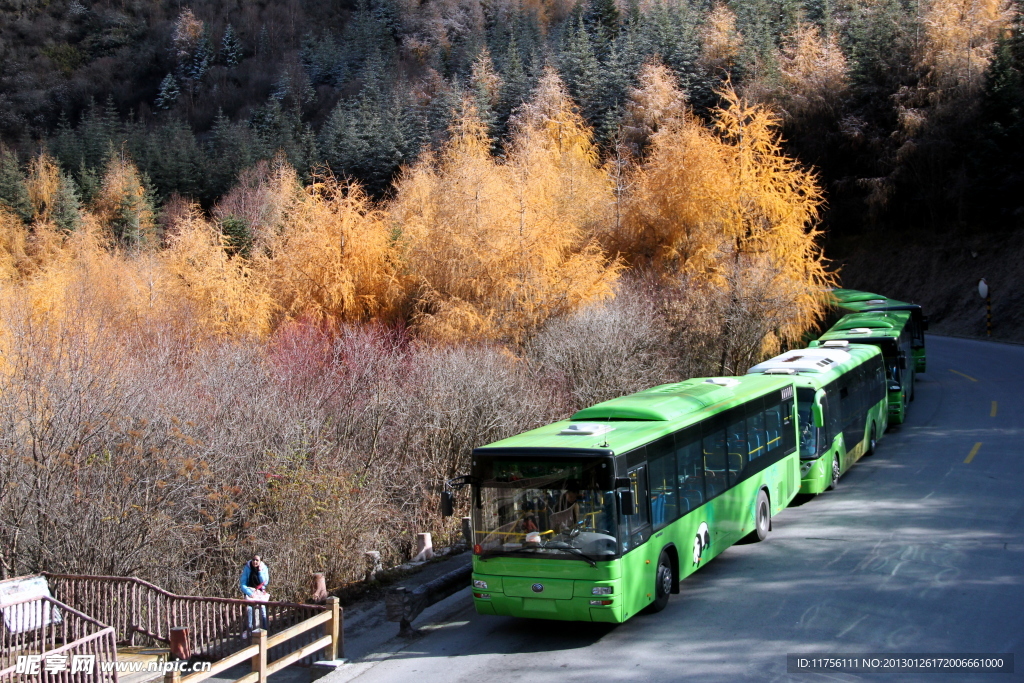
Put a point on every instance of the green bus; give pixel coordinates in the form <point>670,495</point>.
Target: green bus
<point>854,301</point>
<point>890,331</point>
<point>600,516</point>
<point>841,405</point>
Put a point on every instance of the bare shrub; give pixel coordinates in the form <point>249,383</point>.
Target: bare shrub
<point>609,349</point>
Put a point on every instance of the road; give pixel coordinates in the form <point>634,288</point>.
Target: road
<point>919,550</point>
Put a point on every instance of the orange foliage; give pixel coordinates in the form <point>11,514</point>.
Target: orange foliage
<point>813,70</point>
<point>224,294</point>
<point>43,184</point>
<point>960,36</point>
<point>495,249</point>
<point>334,258</point>
<point>720,39</point>
<point>718,204</point>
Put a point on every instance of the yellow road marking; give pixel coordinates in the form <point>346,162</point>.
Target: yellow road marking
<point>955,372</point>
<point>974,452</point>
<point>995,409</point>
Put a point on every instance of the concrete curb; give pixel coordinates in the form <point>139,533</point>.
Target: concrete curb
<point>404,605</point>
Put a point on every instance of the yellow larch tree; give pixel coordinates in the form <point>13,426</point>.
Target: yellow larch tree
<point>43,184</point>
<point>657,99</point>
<point>123,204</point>
<point>222,294</point>
<point>960,37</point>
<point>494,249</point>
<point>814,73</point>
<point>727,208</point>
<point>334,259</point>
<point>721,41</point>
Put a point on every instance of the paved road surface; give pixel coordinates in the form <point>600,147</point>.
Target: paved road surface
<point>919,550</point>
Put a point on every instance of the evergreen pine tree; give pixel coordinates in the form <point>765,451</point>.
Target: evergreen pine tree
<point>13,190</point>
<point>515,85</point>
<point>230,47</point>
<point>370,136</point>
<point>602,19</point>
<point>485,84</point>
<point>66,213</point>
<point>169,92</point>
<point>581,71</point>
<point>230,149</point>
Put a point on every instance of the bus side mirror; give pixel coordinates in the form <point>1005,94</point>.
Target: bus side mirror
<point>623,483</point>
<point>627,502</point>
<point>817,410</point>
<point>447,504</point>
<point>903,362</point>
<point>924,323</point>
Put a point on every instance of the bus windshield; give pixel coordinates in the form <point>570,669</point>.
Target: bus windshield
<point>550,509</point>
<point>808,432</point>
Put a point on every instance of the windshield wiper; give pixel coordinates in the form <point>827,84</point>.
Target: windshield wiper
<point>568,548</point>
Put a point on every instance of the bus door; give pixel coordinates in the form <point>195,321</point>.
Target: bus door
<point>639,566</point>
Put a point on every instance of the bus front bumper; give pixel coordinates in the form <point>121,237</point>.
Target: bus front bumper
<point>815,475</point>
<point>580,605</point>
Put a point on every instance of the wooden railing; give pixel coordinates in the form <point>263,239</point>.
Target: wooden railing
<point>141,612</point>
<point>331,644</point>
<point>46,627</point>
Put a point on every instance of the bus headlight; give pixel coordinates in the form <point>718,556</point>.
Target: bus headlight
<point>477,583</point>
<point>600,603</point>
<point>601,590</point>
<point>894,387</point>
<point>805,468</point>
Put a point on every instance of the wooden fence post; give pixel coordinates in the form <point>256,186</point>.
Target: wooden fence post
<point>180,646</point>
<point>335,630</point>
<point>259,660</point>
<point>172,676</point>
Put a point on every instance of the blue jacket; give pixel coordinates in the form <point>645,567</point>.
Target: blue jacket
<point>243,581</point>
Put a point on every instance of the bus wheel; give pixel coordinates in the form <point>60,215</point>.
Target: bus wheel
<point>872,440</point>
<point>835,473</point>
<point>662,584</point>
<point>762,519</point>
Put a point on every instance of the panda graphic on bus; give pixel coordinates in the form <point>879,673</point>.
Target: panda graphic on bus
<point>701,542</point>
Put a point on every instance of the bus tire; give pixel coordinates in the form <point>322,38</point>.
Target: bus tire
<point>872,440</point>
<point>762,519</point>
<point>662,584</point>
<point>835,473</point>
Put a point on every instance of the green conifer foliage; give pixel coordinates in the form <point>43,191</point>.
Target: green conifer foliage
<point>602,19</point>
<point>230,47</point>
<point>169,92</point>
<point>13,190</point>
<point>581,71</point>
<point>238,236</point>
<point>515,84</point>
<point>66,213</point>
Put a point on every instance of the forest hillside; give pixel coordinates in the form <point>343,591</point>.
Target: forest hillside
<point>269,271</point>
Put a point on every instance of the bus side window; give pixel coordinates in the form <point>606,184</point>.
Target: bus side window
<point>713,444</point>
<point>664,497</point>
<point>757,439</point>
<point>773,430</point>
<point>737,433</point>
<point>690,468</point>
